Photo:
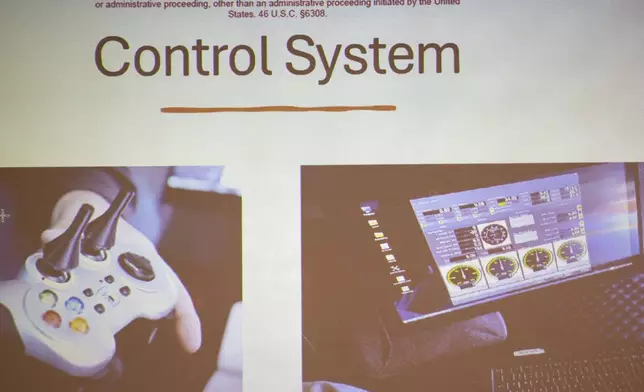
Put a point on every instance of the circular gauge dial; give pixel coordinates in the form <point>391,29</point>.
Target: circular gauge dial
<point>571,251</point>
<point>464,276</point>
<point>494,234</point>
<point>537,258</point>
<point>502,267</point>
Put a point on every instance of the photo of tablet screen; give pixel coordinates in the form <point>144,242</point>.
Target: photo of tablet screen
<point>493,242</point>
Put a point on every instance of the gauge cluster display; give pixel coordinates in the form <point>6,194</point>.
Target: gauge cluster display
<point>496,239</point>
<point>450,251</point>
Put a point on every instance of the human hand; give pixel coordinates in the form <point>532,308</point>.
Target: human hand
<point>188,324</point>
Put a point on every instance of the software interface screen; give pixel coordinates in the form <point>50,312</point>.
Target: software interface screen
<point>495,241</point>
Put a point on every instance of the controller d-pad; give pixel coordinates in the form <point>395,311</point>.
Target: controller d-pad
<point>137,266</point>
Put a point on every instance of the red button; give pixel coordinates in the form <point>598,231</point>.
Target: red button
<point>52,319</point>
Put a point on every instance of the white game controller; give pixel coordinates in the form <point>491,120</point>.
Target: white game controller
<point>72,297</point>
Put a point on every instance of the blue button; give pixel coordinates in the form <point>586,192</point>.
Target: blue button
<point>75,305</point>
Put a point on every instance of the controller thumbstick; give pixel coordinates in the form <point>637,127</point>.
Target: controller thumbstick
<point>101,233</point>
<point>61,255</point>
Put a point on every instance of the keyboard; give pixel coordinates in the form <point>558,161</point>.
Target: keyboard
<point>611,371</point>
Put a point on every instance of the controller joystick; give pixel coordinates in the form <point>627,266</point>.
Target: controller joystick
<point>101,233</point>
<point>61,255</point>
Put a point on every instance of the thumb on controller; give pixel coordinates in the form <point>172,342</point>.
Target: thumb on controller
<point>187,321</point>
<point>50,235</point>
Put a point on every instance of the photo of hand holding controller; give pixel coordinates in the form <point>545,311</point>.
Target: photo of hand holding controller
<point>95,274</point>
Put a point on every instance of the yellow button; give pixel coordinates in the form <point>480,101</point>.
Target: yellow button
<point>79,325</point>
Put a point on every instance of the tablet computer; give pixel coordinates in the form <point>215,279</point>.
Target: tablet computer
<point>459,238</point>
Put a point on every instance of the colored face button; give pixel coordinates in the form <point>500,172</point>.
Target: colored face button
<point>79,325</point>
<point>75,305</point>
<point>52,319</point>
<point>48,298</point>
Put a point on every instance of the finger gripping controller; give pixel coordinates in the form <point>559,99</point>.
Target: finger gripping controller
<point>86,285</point>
